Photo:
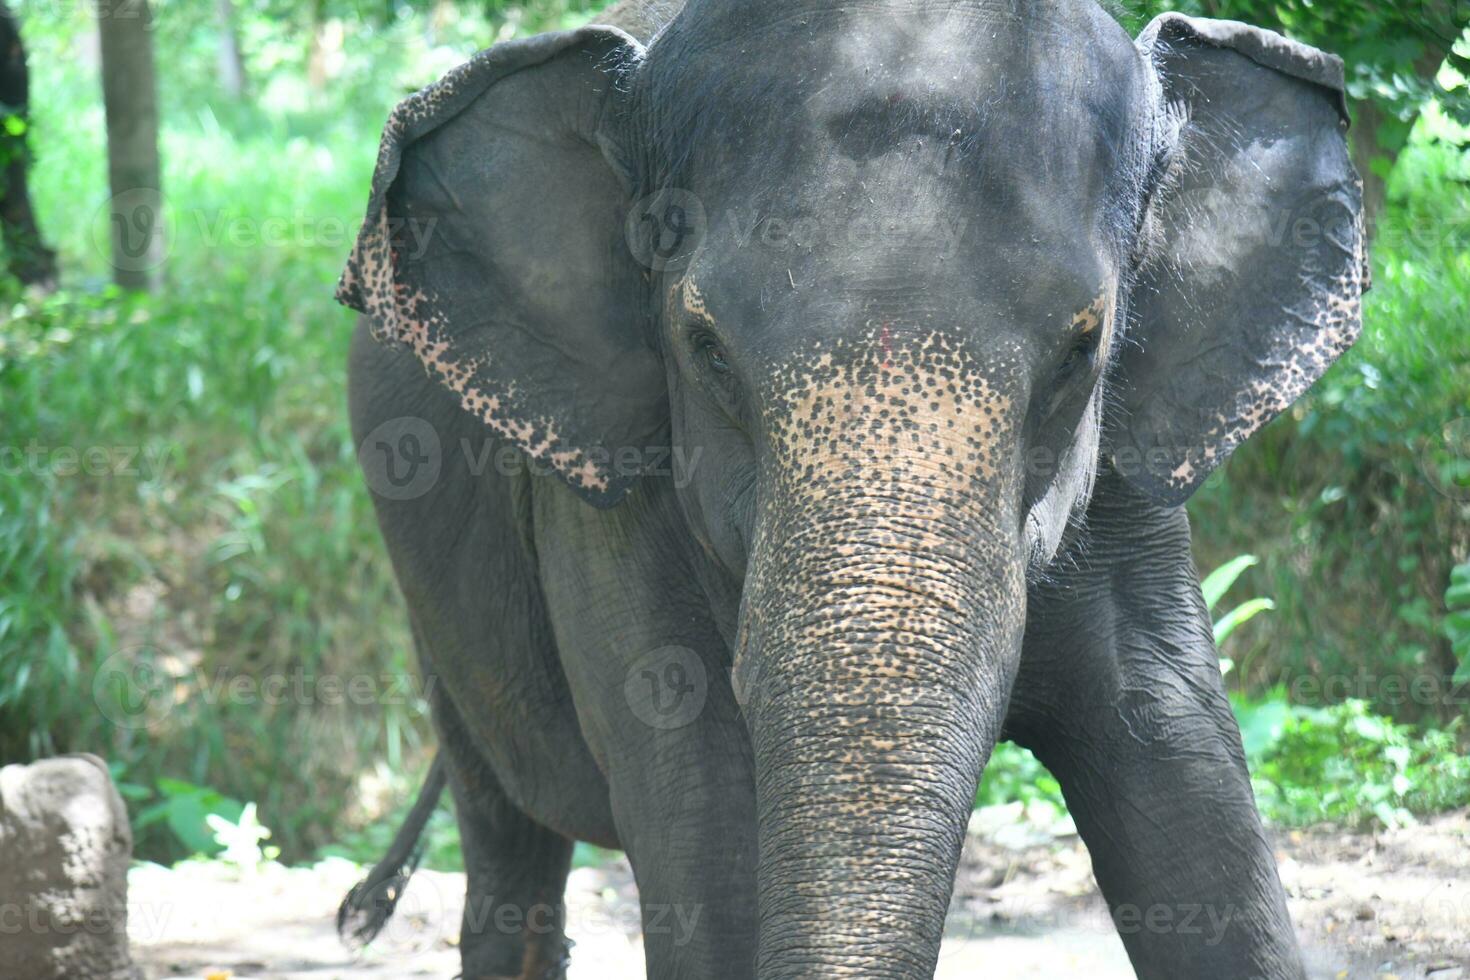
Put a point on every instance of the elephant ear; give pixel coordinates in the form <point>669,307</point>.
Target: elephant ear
<point>493,248</point>
<point>1251,281</point>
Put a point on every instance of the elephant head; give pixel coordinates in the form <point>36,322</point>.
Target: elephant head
<point>901,282</point>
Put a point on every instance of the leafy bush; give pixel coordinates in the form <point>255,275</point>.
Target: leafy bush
<point>1457,622</point>
<point>218,531</point>
<point>1348,766</point>
<point>1014,775</point>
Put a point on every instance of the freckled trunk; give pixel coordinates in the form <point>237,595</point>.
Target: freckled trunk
<point>883,628</point>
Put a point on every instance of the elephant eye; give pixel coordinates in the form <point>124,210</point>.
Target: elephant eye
<point>713,354</point>
<point>1083,352</point>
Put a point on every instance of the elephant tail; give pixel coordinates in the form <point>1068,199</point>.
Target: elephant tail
<point>370,903</point>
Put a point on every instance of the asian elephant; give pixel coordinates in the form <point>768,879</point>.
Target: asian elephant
<point>771,405</point>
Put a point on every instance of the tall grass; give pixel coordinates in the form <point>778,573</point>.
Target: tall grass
<point>190,575</point>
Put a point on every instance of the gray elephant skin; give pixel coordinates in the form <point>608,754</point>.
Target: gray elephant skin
<point>770,406</point>
<point>65,846</point>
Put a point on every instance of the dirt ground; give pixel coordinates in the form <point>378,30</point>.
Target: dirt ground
<point>1388,905</point>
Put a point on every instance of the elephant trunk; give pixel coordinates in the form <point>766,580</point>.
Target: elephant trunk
<point>875,667</point>
<point>881,627</point>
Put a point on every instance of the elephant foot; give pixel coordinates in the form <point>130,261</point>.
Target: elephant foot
<point>545,959</point>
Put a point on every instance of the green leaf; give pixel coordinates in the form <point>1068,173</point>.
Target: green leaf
<point>1462,673</point>
<point>1457,623</point>
<point>1218,582</point>
<point>1242,613</point>
<point>1262,725</point>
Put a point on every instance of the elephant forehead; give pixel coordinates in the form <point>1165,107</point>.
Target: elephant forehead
<point>1054,83</point>
<point>892,406</point>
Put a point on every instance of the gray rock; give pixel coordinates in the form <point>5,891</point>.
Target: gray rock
<point>65,845</point>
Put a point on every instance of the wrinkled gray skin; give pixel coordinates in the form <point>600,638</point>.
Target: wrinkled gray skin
<point>1046,279</point>
<point>64,852</point>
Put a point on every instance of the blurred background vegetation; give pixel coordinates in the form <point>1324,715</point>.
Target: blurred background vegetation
<point>180,504</point>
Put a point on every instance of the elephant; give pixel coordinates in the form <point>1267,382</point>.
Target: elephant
<point>769,406</point>
<point>65,846</point>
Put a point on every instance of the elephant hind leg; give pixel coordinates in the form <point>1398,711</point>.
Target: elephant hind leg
<point>514,923</point>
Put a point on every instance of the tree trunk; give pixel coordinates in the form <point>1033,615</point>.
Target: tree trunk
<point>129,96</point>
<point>1364,141</point>
<point>27,257</point>
<point>316,57</point>
<point>1367,140</point>
<point>231,63</point>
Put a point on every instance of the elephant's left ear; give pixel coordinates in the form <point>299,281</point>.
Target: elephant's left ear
<point>1254,269</point>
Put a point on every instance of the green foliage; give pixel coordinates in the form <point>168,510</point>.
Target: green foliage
<point>1341,764</point>
<point>1214,587</point>
<point>1393,50</point>
<point>1348,766</point>
<point>181,516</point>
<point>1457,622</point>
<point>186,810</point>
<point>1014,774</point>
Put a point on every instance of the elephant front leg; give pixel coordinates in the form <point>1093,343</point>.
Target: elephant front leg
<point>684,801</point>
<point>649,673</point>
<point>683,797</point>
<point>1120,695</point>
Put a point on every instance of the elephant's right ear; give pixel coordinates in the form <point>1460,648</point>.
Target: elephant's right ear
<point>493,247</point>
<point>1252,281</point>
